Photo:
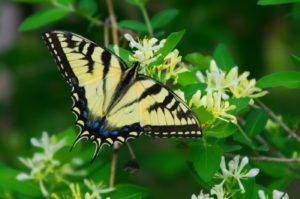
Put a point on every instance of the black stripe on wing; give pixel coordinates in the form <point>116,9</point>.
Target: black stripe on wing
<point>60,58</point>
<point>177,130</point>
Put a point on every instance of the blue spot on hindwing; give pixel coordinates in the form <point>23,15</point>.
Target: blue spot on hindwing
<point>96,124</point>
<point>104,133</point>
<point>125,129</point>
<point>85,114</point>
<point>115,132</point>
<point>82,102</point>
<point>89,124</point>
<point>101,127</point>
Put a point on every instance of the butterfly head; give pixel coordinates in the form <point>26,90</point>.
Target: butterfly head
<point>133,71</point>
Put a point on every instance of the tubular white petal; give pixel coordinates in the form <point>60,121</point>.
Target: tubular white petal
<point>241,185</point>
<point>252,173</point>
<point>244,161</point>
<point>23,176</point>
<point>35,142</point>
<point>279,195</point>
<point>261,194</point>
<point>43,188</point>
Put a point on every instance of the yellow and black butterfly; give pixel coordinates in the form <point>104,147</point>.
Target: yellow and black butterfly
<point>112,102</point>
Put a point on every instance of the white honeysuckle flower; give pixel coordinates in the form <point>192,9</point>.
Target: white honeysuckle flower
<point>276,195</point>
<point>230,82</point>
<point>42,164</point>
<point>225,173</point>
<point>236,170</point>
<point>145,49</point>
<point>212,102</point>
<point>96,189</point>
<point>280,195</point>
<point>218,80</point>
<point>261,194</point>
<point>246,88</point>
<point>219,191</point>
<point>170,67</point>
<point>201,196</point>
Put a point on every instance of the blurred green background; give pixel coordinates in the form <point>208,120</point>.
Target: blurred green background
<point>35,98</point>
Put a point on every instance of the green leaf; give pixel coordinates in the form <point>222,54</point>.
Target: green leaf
<point>127,191</point>
<point>89,6</point>
<point>274,2</point>
<point>137,2</point>
<point>190,89</point>
<point>274,169</point>
<point>123,53</point>
<point>197,59</point>
<point>133,25</point>
<point>202,114</point>
<point>188,77</point>
<point>289,79</point>
<point>223,58</point>
<point>69,134</point>
<point>256,122</point>
<point>65,2</point>
<point>221,130</point>
<point>296,60</point>
<point>163,18</point>
<point>34,1</point>
<point>282,183</point>
<point>26,187</point>
<point>206,160</point>
<point>249,186</point>
<point>171,41</point>
<point>228,148</point>
<point>42,18</point>
<point>166,163</point>
<point>207,185</point>
<point>239,103</point>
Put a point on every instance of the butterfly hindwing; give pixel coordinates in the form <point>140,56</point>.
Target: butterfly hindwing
<point>158,111</point>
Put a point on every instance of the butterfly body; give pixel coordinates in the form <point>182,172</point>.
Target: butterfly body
<point>112,101</point>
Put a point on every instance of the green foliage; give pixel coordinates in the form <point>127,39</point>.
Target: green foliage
<point>171,41</point>
<point>133,25</point>
<point>42,18</point>
<point>9,175</point>
<point>289,79</point>
<point>221,130</point>
<point>190,89</point>
<point>197,59</point>
<point>88,6</point>
<point>206,160</point>
<point>239,103</point>
<point>129,192</point>
<point>203,114</point>
<point>188,77</point>
<point>163,18</point>
<point>138,2</point>
<point>256,122</point>
<point>275,2</point>
<point>223,57</point>
<point>296,60</point>
<point>34,1</point>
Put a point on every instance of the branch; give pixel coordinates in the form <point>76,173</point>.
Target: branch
<point>114,165</point>
<point>266,158</point>
<point>113,22</point>
<point>291,132</point>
